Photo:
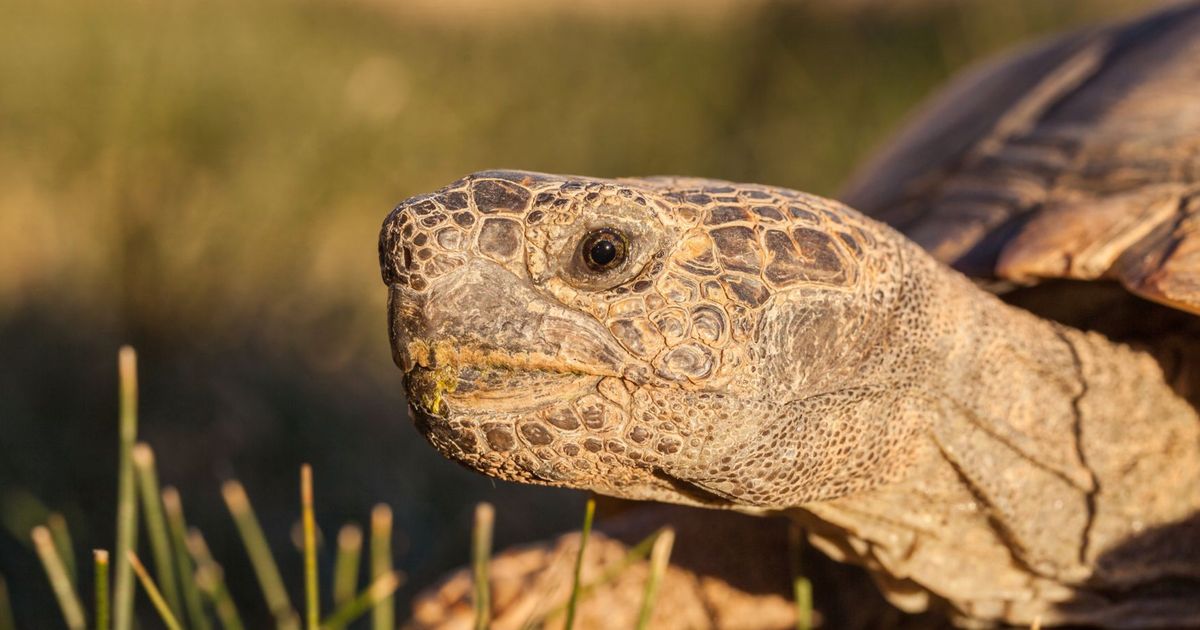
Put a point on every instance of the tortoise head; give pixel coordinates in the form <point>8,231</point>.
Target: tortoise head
<point>616,335</point>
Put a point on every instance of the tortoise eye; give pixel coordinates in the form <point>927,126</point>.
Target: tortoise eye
<point>604,249</point>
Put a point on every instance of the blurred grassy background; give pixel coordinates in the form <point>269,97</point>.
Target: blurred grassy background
<point>205,179</point>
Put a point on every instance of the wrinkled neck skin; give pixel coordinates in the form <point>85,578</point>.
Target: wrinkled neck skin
<point>1051,477</point>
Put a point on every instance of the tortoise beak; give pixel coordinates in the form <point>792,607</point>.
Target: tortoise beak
<point>482,316</point>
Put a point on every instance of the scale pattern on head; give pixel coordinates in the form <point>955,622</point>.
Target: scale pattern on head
<point>616,335</point>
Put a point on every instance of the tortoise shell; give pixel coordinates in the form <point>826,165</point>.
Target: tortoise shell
<point>1076,158</point>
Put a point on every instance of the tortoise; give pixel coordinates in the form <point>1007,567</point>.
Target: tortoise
<point>978,377</point>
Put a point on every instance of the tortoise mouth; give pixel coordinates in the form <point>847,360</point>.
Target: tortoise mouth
<point>494,387</point>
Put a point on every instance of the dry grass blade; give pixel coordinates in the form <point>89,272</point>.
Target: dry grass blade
<point>1037,623</point>
<point>152,591</point>
<point>210,578</point>
<point>356,607</point>
<point>100,579</point>
<point>156,524</point>
<point>481,554</point>
<point>345,567</point>
<point>383,616</point>
<point>589,514</point>
<point>62,539</point>
<point>177,526</point>
<point>68,600</point>
<point>660,556</point>
<point>122,608</point>
<point>311,593</point>
<point>269,579</point>
<point>7,621</point>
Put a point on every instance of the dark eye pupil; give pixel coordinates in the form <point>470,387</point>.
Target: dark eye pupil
<point>603,252</point>
<point>603,249</point>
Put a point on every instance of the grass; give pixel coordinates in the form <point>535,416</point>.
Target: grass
<point>383,615</point>
<point>801,586</point>
<point>660,555</point>
<point>173,509</point>
<point>312,600</point>
<point>183,558</point>
<point>481,553</point>
<point>261,558</point>
<point>60,580</point>
<point>100,579</point>
<point>122,606</point>
<point>345,567</point>
<point>576,581</point>
<point>6,614</point>
<point>156,597</point>
<point>156,524</point>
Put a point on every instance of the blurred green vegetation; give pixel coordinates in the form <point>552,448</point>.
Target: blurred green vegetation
<point>205,180</point>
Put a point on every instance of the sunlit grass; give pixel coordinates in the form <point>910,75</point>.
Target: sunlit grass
<point>481,555</point>
<point>801,586</point>
<point>173,510</point>
<point>60,580</point>
<point>210,578</point>
<point>100,579</point>
<point>382,615</point>
<point>156,597</point>
<point>660,555</point>
<point>261,558</point>
<point>122,608</point>
<point>589,514</point>
<point>183,558</point>
<point>345,566</point>
<point>156,525</point>
<point>311,599</point>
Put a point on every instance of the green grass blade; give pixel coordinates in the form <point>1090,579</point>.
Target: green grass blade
<point>269,579</point>
<point>156,525</point>
<point>481,555</point>
<point>660,556</point>
<point>802,593</point>
<point>383,615</point>
<point>123,587</point>
<point>210,578</point>
<point>357,606</point>
<point>7,621</point>
<point>589,514</point>
<point>636,554</point>
<point>801,587</point>
<point>62,539</point>
<point>100,579</point>
<point>177,526</point>
<point>56,571</point>
<point>152,591</point>
<point>345,567</point>
<point>312,597</point>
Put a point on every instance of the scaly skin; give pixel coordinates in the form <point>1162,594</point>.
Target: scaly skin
<point>766,350</point>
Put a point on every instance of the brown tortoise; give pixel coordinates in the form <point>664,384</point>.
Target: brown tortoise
<point>1022,446</point>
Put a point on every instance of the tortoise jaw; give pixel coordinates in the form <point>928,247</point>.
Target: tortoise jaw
<point>493,387</point>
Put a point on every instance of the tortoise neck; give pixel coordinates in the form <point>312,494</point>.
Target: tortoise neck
<point>1047,451</point>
